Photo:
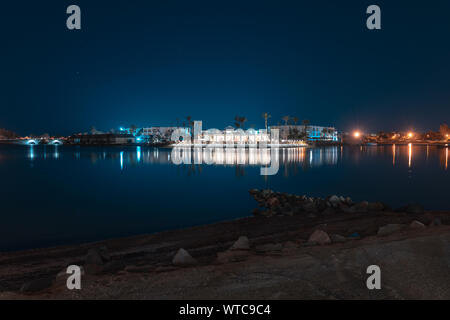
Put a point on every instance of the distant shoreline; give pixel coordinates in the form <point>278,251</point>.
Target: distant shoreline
<point>312,144</point>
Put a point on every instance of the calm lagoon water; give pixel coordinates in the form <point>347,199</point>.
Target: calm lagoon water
<point>54,195</point>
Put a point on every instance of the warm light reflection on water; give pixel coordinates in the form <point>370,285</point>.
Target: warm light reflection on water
<point>409,155</point>
<point>446,158</point>
<point>393,155</point>
<point>220,156</point>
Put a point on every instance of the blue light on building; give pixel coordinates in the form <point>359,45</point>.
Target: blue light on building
<point>31,142</point>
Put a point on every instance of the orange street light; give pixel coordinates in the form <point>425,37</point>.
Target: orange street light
<point>410,135</point>
<point>357,134</point>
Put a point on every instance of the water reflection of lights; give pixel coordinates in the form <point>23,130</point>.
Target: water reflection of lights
<point>217,156</point>
<point>305,157</point>
<point>56,153</point>
<point>221,156</point>
<point>138,154</point>
<point>31,152</point>
<point>321,156</point>
<point>409,154</point>
<point>32,155</point>
<point>393,154</point>
<point>446,158</point>
<point>295,155</point>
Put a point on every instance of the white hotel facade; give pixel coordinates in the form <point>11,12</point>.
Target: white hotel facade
<point>231,135</point>
<point>276,135</point>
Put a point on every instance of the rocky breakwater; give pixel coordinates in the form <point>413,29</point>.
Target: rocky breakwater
<point>272,203</point>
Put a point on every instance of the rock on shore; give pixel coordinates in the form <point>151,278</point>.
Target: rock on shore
<point>320,237</point>
<point>183,259</point>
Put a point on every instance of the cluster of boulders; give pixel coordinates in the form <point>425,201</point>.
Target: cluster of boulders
<point>277,203</point>
<point>272,203</point>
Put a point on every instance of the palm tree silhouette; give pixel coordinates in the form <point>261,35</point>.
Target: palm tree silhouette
<point>242,121</point>
<point>266,117</point>
<point>286,120</point>
<point>237,123</point>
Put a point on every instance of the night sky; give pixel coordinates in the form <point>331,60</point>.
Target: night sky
<point>150,62</point>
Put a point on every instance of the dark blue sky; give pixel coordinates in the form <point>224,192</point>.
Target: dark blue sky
<point>149,62</point>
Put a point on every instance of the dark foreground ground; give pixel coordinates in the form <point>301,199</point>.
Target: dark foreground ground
<point>280,262</point>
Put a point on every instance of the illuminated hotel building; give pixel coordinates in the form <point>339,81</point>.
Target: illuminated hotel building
<point>236,136</point>
<point>313,133</point>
